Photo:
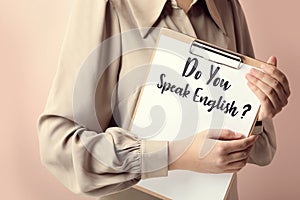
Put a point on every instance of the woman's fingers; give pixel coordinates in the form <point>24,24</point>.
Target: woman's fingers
<point>264,92</point>
<point>237,160</point>
<point>235,166</point>
<point>232,146</point>
<point>212,151</point>
<point>238,156</point>
<point>275,73</point>
<point>270,86</point>
<point>224,134</point>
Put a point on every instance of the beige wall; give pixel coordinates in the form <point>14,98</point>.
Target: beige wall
<point>30,37</point>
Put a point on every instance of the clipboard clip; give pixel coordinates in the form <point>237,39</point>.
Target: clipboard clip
<point>215,54</point>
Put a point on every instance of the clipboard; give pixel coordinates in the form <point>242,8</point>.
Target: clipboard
<point>207,53</point>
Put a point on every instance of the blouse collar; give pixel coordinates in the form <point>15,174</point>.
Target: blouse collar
<point>146,15</point>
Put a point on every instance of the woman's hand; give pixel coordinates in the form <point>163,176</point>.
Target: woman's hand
<point>212,151</point>
<point>271,87</point>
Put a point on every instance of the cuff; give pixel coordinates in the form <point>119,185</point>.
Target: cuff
<point>154,159</point>
<point>258,128</point>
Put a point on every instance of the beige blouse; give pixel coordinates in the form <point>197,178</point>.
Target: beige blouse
<point>83,131</point>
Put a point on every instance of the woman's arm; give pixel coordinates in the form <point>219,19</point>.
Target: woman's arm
<point>92,161</point>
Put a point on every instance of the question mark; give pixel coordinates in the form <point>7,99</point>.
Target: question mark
<point>246,108</point>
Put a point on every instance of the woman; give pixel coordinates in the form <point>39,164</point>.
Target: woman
<point>83,132</point>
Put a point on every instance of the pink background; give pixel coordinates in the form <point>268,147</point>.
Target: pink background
<point>30,39</point>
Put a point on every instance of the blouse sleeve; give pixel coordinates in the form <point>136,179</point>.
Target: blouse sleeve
<point>264,149</point>
<point>92,158</point>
